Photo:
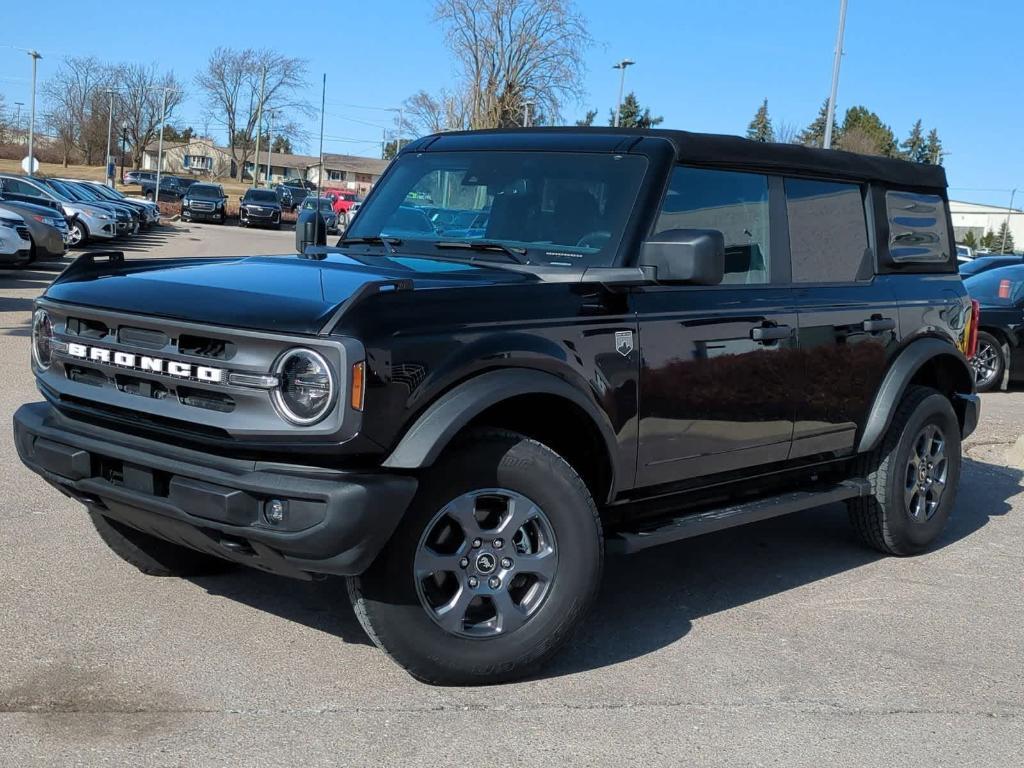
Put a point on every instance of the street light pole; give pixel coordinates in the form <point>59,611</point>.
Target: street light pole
<point>108,172</point>
<point>526,113</point>
<point>1006,230</point>
<point>32,119</point>
<point>270,145</point>
<point>259,129</point>
<point>160,147</point>
<point>124,143</point>
<point>835,75</point>
<point>622,85</point>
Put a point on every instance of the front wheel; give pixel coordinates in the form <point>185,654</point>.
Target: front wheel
<point>988,363</point>
<point>495,564</point>
<point>78,235</point>
<point>914,474</point>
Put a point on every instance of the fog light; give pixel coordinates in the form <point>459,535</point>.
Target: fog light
<point>275,511</point>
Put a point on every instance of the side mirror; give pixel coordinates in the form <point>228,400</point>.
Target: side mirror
<point>310,229</point>
<point>685,256</point>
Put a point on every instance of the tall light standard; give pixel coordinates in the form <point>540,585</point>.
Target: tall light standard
<point>1006,230</point>
<point>622,84</point>
<point>108,166</point>
<point>270,145</point>
<point>32,119</point>
<point>835,76</point>
<point>160,143</point>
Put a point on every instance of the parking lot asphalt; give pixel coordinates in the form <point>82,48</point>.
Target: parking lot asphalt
<point>784,643</point>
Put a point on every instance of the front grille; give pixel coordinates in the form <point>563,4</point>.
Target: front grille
<point>203,346</point>
<point>141,337</point>
<point>90,329</point>
<point>22,231</point>
<point>195,205</point>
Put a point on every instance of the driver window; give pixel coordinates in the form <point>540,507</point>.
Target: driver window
<point>736,204</point>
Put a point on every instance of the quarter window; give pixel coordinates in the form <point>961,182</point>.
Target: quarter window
<point>828,233</point>
<point>917,227</point>
<point>736,204</point>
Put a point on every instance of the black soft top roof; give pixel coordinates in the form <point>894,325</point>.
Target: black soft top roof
<point>698,149</point>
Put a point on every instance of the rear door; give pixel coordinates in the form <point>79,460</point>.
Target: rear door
<point>848,317</point>
<point>716,378</point>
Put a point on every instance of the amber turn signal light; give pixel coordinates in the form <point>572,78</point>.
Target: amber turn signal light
<point>358,388</point>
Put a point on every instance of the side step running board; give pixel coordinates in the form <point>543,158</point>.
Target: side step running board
<point>699,523</point>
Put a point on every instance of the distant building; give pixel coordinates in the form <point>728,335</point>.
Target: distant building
<point>979,219</point>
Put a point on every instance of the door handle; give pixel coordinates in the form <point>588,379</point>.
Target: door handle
<point>771,332</point>
<point>877,324</point>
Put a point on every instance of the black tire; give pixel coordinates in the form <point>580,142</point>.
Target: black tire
<point>988,363</point>
<point>891,519</point>
<point>80,239</point>
<point>386,598</point>
<point>153,556</point>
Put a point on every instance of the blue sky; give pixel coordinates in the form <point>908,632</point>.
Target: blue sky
<point>704,65</point>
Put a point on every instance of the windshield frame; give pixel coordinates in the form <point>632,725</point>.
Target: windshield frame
<point>634,218</point>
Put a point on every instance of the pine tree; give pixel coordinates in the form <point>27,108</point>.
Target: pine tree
<point>1003,241</point>
<point>933,149</point>
<point>760,128</point>
<point>631,116</point>
<point>987,239</point>
<point>814,134</point>
<point>864,132</point>
<point>913,148</point>
<point>587,121</point>
<point>970,240</point>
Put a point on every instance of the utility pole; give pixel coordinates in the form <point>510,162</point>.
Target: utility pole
<point>124,142</point>
<point>1009,210</point>
<point>526,113</point>
<point>259,127</point>
<point>270,145</point>
<point>108,171</point>
<point>32,119</point>
<point>622,85</point>
<point>835,75</point>
<point>160,147</point>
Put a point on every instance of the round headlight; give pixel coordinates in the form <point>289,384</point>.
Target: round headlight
<point>42,339</point>
<point>305,391</point>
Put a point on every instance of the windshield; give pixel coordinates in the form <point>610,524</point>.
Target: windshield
<point>560,208</point>
<point>261,196</point>
<point>84,191</point>
<point>1002,286</point>
<point>66,192</point>
<point>205,192</point>
<point>106,192</point>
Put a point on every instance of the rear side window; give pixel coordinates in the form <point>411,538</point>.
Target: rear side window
<point>828,233</point>
<point>917,228</point>
<point>736,204</point>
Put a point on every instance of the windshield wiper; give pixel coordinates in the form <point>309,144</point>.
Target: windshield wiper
<point>488,246</point>
<point>387,242</point>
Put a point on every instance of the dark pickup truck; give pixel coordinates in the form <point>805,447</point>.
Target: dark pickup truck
<point>656,335</point>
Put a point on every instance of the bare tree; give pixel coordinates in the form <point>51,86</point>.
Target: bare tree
<point>140,93</point>
<point>424,113</point>
<point>233,85</point>
<point>786,133</point>
<point>510,52</point>
<point>73,107</point>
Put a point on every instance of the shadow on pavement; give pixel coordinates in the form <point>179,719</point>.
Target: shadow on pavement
<point>650,600</point>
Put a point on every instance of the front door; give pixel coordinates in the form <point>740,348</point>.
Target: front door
<point>717,378</point>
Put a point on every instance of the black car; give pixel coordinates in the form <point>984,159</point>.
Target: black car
<point>984,263</point>
<point>172,189</point>
<point>999,355</point>
<point>291,196</point>
<point>657,335</point>
<point>204,202</point>
<point>260,208</point>
<point>309,186</point>
<point>284,197</point>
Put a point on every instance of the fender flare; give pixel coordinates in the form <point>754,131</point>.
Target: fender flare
<point>431,432</point>
<point>904,367</point>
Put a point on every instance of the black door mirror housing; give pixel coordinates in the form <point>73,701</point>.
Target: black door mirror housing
<point>694,256</point>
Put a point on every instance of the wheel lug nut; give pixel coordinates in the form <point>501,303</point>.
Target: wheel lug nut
<point>464,562</point>
<point>498,543</point>
<point>473,582</point>
<point>506,562</point>
<point>476,543</point>
<point>494,582</point>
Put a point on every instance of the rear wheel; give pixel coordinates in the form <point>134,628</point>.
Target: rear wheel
<point>153,556</point>
<point>494,565</point>
<point>988,363</point>
<point>914,475</point>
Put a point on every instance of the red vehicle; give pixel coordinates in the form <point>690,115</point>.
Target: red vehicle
<point>342,200</point>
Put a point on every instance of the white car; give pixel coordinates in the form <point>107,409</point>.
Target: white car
<point>15,245</point>
<point>85,220</point>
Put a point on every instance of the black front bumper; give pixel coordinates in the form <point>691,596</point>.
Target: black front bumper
<point>336,521</point>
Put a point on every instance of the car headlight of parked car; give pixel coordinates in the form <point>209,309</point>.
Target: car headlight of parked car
<point>306,388</point>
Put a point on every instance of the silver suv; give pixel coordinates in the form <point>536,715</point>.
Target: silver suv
<point>85,220</point>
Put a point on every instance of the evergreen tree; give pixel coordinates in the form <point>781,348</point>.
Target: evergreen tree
<point>1003,240</point>
<point>760,128</point>
<point>987,239</point>
<point>814,134</point>
<point>587,121</point>
<point>970,240</point>
<point>864,132</point>
<point>631,116</point>
<point>933,149</point>
<point>913,149</point>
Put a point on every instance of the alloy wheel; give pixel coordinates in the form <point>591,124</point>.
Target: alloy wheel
<point>985,364</point>
<point>485,563</point>
<point>926,474</point>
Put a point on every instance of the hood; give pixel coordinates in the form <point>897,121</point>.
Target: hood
<point>285,294</point>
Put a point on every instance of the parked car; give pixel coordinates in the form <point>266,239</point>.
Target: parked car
<point>309,186</point>
<point>15,245</point>
<point>984,263</point>
<point>137,177</point>
<point>129,216</point>
<point>1000,292</point>
<point>47,228</point>
<point>149,211</point>
<point>85,221</point>
<point>259,207</point>
<point>171,189</point>
<point>204,201</point>
<point>343,201</point>
<point>327,213</point>
<point>284,197</point>
<point>964,252</point>
<point>661,335</point>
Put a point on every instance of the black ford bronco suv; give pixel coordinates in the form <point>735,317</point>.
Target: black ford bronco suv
<point>651,335</point>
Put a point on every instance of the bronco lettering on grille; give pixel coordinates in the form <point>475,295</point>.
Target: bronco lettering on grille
<point>146,363</point>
